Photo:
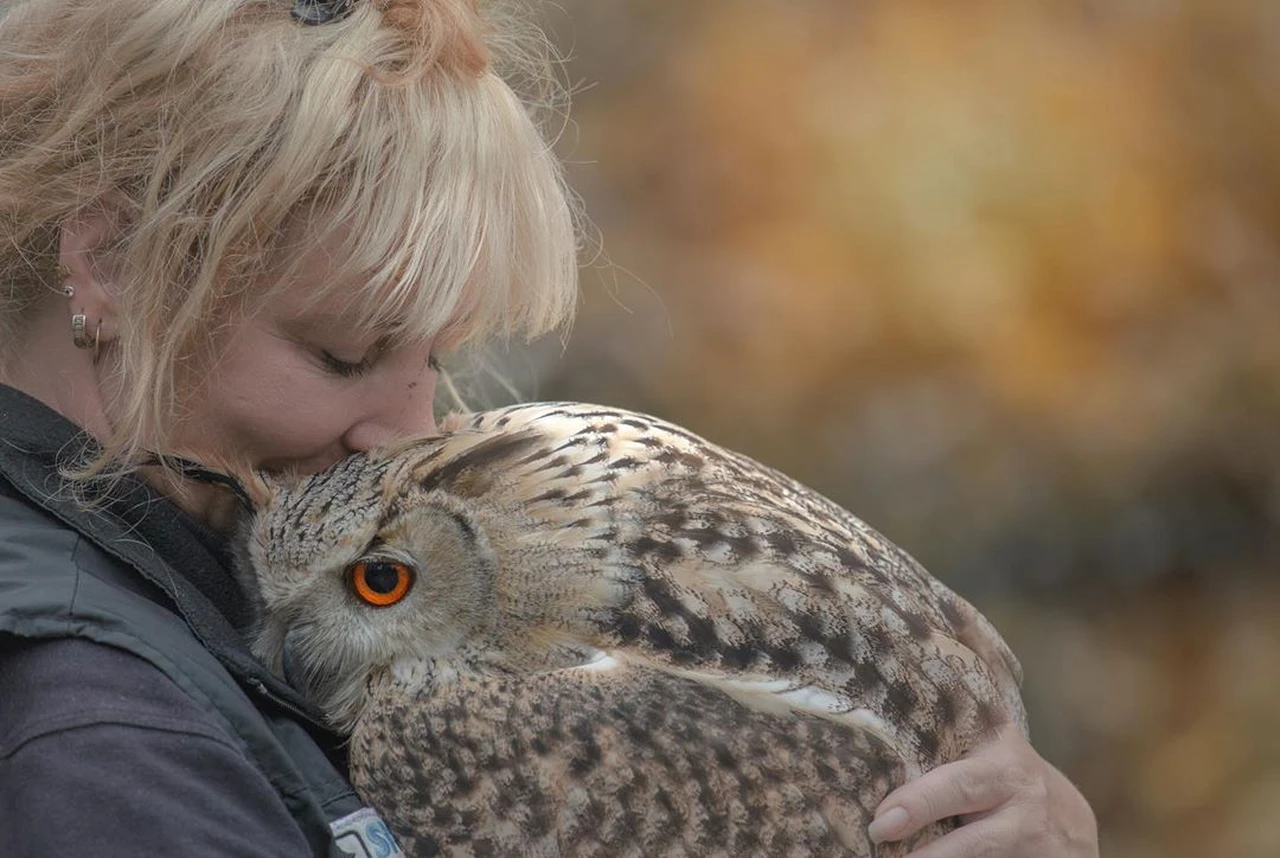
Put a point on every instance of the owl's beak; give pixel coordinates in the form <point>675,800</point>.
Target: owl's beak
<point>316,685</point>
<point>290,667</point>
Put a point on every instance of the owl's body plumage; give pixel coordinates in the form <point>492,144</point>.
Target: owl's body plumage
<point>621,639</point>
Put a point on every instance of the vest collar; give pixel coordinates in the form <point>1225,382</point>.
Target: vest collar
<point>138,526</point>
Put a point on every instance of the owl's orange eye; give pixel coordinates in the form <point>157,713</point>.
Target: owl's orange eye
<point>380,582</point>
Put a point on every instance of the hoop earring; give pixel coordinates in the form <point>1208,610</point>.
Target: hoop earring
<point>78,322</point>
<point>97,335</point>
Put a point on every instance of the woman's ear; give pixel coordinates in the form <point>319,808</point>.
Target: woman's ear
<point>89,264</point>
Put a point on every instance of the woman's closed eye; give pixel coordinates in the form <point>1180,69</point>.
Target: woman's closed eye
<point>355,369</point>
<point>344,368</point>
<point>341,365</point>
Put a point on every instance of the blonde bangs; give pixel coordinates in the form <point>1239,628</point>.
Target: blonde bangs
<point>448,211</point>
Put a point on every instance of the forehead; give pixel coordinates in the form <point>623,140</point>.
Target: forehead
<point>318,523</point>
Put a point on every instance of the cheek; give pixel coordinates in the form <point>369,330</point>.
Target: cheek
<point>267,410</point>
<point>295,420</point>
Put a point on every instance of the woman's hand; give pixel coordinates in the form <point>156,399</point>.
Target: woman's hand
<point>1012,802</point>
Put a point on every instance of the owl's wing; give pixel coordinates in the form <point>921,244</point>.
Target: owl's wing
<point>737,564</point>
<point>960,619</point>
<point>618,757</point>
<point>839,621</point>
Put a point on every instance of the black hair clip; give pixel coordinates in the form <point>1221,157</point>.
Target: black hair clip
<point>314,12</point>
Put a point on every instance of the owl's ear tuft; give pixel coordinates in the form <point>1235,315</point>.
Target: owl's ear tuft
<point>472,472</point>
<point>251,489</point>
<point>259,488</point>
<point>455,420</point>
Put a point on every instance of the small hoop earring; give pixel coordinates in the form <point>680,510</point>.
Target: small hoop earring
<point>78,322</point>
<point>97,336</point>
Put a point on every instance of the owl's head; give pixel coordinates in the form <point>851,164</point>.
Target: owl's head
<point>363,566</point>
<point>391,564</point>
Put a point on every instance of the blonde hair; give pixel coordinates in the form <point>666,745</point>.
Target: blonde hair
<point>221,122</point>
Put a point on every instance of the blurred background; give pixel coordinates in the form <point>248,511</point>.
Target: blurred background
<point>1003,278</point>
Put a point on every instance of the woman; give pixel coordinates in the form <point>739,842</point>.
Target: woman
<point>237,232</point>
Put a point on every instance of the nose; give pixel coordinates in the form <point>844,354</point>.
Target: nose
<point>400,404</point>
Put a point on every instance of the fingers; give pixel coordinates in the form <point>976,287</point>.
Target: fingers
<point>988,838</point>
<point>974,785</point>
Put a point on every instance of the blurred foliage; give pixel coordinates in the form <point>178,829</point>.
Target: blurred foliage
<point>1002,278</point>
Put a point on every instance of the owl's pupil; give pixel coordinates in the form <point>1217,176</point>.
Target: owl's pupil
<point>381,577</point>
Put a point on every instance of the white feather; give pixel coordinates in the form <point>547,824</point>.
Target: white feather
<point>600,662</point>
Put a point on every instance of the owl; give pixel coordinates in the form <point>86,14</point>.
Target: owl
<point>565,629</point>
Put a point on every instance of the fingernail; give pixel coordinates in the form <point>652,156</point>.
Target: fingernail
<point>890,825</point>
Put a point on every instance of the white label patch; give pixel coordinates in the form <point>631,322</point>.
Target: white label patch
<point>363,834</point>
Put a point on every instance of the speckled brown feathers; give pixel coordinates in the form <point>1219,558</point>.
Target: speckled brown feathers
<point>634,762</point>
<point>621,639</point>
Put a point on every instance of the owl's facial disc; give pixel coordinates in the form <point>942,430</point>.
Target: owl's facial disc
<point>412,583</point>
<point>312,658</point>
